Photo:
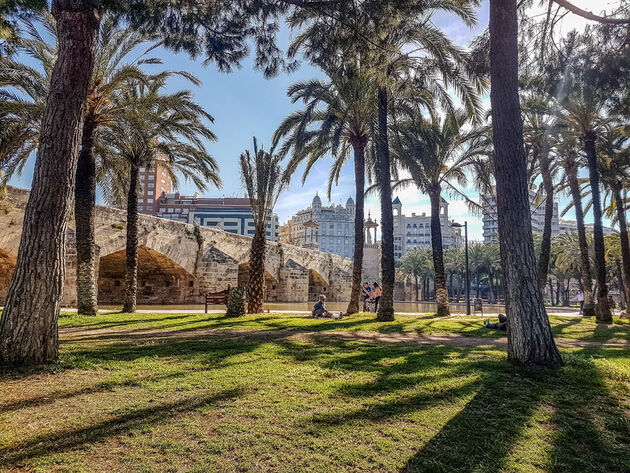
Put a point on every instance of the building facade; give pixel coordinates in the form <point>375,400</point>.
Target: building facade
<point>329,229</point>
<point>570,226</point>
<point>233,215</point>
<point>154,181</point>
<point>537,212</point>
<point>414,232</point>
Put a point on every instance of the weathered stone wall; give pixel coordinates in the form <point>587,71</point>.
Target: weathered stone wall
<point>179,263</point>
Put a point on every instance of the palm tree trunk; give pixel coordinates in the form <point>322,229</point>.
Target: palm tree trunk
<point>359,237</point>
<point>545,248</point>
<point>623,286</point>
<point>625,244</point>
<point>492,296</point>
<point>386,305</point>
<point>28,328</point>
<point>84,201</point>
<point>586,277</point>
<point>602,312</point>
<point>530,341</point>
<point>131,248</point>
<point>441,293</point>
<point>256,282</point>
<point>416,282</point>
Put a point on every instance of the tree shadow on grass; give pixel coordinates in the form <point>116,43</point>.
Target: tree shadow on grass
<point>482,436</point>
<point>70,439</point>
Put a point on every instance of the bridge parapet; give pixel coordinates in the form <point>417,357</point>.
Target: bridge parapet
<point>179,262</point>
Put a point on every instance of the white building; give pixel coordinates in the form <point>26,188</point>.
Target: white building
<point>537,211</point>
<point>570,226</point>
<point>414,232</point>
<point>329,229</point>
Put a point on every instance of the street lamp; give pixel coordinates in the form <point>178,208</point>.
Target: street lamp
<point>465,225</point>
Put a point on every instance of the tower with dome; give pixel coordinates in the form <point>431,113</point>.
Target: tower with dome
<point>328,228</point>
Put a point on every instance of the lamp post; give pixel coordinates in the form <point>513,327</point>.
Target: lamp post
<point>465,225</point>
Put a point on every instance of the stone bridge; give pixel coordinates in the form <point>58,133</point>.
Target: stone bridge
<point>179,263</point>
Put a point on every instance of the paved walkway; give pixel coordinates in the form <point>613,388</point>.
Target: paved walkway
<point>82,334</point>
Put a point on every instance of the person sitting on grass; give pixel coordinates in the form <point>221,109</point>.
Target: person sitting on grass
<point>501,325</point>
<point>319,310</point>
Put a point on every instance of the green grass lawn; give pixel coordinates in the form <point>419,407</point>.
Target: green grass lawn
<point>290,402</point>
<point>565,327</point>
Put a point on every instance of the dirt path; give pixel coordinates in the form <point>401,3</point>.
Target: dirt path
<point>80,333</point>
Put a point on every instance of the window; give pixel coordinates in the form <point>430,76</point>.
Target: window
<point>151,185</point>
<point>162,210</point>
<point>185,211</point>
<point>151,177</point>
<point>141,201</point>
<point>170,211</point>
<point>142,169</point>
<point>163,181</point>
<point>178,211</point>
<point>140,207</point>
<point>150,208</point>
<point>149,201</point>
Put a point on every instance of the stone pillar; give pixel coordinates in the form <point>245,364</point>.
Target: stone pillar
<point>293,284</point>
<point>215,271</point>
<point>340,286</point>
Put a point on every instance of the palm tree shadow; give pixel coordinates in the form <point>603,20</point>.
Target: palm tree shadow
<point>70,439</point>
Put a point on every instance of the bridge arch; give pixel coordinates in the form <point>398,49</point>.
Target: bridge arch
<point>160,279</point>
<point>317,285</point>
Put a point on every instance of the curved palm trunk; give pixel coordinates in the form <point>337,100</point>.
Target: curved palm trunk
<point>359,237</point>
<point>28,328</point>
<point>545,248</point>
<point>84,202</point>
<point>625,244</point>
<point>530,341</point>
<point>386,305</point>
<point>256,284</point>
<point>602,312</point>
<point>441,293</point>
<point>131,249</point>
<point>585,272</point>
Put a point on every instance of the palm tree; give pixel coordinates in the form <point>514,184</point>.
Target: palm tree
<point>262,176</point>
<point>393,40</point>
<point>583,115</point>
<point>454,265</point>
<point>111,76</point>
<point>570,162</point>
<point>415,264</point>
<point>539,141</point>
<point>164,130</point>
<point>614,167</point>
<point>344,119</point>
<point>435,153</point>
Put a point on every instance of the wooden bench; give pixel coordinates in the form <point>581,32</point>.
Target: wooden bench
<point>216,298</point>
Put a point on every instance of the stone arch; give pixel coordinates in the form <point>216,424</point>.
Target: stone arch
<point>160,279</point>
<point>7,266</point>
<point>316,285</point>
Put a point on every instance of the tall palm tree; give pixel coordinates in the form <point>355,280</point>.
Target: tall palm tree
<point>261,172</point>
<point>165,130</point>
<point>111,75</point>
<point>454,265</point>
<point>393,40</point>
<point>337,117</point>
<point>436,153</point>
<point>415,264</point>
<point>570,161</point>
<point>539,141</point>
<point>583,114</point>
<point>614,167</point>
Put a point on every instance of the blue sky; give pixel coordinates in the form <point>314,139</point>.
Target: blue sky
<point>245,104</point>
